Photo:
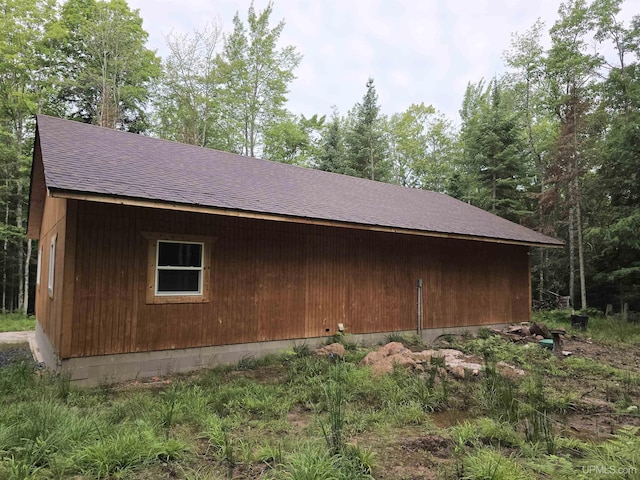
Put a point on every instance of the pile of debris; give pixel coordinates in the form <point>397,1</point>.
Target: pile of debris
<point>524,332</point>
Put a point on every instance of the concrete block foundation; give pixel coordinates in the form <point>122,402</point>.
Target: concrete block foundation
<point>106,369</point>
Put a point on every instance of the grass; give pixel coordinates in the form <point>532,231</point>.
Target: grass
<point>297,416</point>
<point>607,330</point>
<point>16,322</point>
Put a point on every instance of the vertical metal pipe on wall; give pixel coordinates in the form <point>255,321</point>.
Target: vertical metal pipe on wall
<point>420,307</point>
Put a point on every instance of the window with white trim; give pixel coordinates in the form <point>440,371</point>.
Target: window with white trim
<point>179,268</point>
<point>52,264</point>
<point>39,267</point>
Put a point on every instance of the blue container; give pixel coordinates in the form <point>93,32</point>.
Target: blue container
<point>546,343</point>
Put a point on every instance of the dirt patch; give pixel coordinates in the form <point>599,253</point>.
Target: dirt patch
<point>624,357</point>
<point>409,453</point>
<point>300,418</point>
<point>595,427</point>
<point>449,418</point>
<point>435,444</point>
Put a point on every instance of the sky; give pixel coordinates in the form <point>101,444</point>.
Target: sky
<point>417,51</point>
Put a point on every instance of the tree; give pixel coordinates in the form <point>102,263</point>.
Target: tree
<point>255,77</point>
<point>109,71</point>
<point>526,59</point>
<point>570,69</point>
<point>293,140</point>
<point>366,146</point>
<point>26,79</point>
<point>495,151</point>
<point>187,105</point>
<point>464,183</point>
<point>613,228</point>
<point>332,156</point>
<point>422,142</point>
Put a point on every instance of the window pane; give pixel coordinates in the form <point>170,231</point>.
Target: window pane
<point>179,254</point>
<point>52,264</point>
<point>186,281</point>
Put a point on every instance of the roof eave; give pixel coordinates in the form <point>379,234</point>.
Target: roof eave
<point>139,202</point>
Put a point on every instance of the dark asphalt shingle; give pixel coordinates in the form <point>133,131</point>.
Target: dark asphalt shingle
<point>89,159</point>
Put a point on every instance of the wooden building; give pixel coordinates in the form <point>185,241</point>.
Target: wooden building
<point>155,256</point>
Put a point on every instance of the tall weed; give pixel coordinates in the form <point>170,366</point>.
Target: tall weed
<point>498,395</point>
<point>334,431</point>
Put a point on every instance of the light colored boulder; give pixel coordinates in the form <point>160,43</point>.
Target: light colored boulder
<point>392,348</point>
<point>335,349</point>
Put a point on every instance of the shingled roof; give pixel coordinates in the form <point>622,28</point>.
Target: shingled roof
<point>104,163</point>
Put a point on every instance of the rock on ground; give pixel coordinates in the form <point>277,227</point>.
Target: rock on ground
<point>335,349</point>
<point>386,357</point>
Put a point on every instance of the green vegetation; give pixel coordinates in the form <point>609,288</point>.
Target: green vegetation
<point>610,330</point>
<point>16,322</point>
<point>551,143</point>
<point>298,416</point>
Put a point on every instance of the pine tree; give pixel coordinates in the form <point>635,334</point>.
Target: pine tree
<point>495,149</point>
<point>332,153</point>
<point>367,150</point>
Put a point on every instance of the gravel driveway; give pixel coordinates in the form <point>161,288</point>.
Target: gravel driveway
<point>14,353</point>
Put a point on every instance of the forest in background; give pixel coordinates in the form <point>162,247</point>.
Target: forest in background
<point>553,144</point>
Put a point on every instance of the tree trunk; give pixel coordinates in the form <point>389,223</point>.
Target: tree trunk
<point>572,268</point>
<point>103,107</point>
<point>20,246</point>
<point>5,247</point>
<point>541,278</point>
<point>576,202</point>
<point>25,305</point>
<point>583,288</point>
<point>20,140</point>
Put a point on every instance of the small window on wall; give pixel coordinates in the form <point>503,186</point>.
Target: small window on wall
<point>39,267</point>
<point>52,265</point>
<point>178,268</point>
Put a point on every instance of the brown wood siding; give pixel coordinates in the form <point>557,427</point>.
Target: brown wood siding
<point>272,280</point>
<point>48,309</point>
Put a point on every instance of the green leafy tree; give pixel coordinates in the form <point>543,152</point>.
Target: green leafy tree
<point>612,232</point>
<point>570,70</point>
<point>109,70</point>
<point>423,147</point>
<point>526,59</point>
<point>27,78</point>
<point>293,140</point>
<point>255,76</point>
<point>187,104</point>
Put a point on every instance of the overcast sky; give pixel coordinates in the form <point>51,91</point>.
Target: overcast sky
<point>416,50</point>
